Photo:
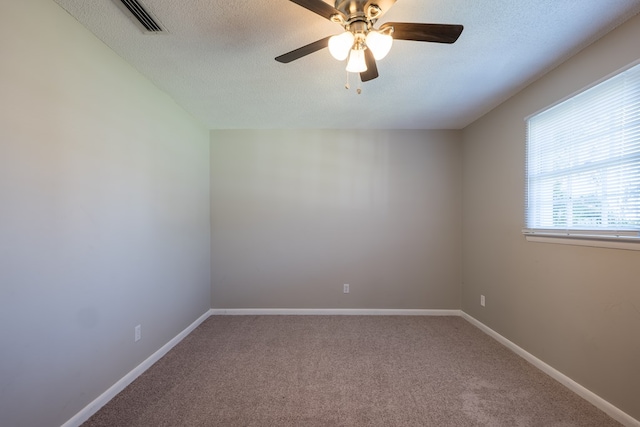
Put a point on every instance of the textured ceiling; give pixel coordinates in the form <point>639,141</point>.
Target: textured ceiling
<point>217,59</point>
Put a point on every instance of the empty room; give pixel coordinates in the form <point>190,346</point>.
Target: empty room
<point>317,213</point>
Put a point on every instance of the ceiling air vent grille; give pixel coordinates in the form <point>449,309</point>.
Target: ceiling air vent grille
<point>147,22</point>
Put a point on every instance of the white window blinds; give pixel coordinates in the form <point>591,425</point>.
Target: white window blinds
<point>583,162</point>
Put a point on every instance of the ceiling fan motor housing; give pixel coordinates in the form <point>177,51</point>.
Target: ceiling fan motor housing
<point>365,11</point>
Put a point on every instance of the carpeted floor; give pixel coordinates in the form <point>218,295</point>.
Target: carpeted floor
<point>344,371</point>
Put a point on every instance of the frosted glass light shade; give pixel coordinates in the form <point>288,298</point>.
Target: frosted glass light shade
<point>356,63</point>
<point>340,45</point>
<point>379,43</point>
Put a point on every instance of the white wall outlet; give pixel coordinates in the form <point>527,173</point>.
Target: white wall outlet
<point>482,300</point>
<point>345,288</point>
<point>137,333</point>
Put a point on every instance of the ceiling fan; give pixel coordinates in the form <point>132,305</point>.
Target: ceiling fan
<point>360,41</point>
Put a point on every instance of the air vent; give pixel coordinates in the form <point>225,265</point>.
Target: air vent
<point>147,22</point>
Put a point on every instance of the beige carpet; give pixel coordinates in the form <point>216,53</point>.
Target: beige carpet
<point>344,371</point>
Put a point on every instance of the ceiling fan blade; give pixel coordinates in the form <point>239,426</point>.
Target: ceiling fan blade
<point>372,68</point>
<point>321,8</point>
<point>438,33</point>
<point>303,51</point>
<point>384,5</point>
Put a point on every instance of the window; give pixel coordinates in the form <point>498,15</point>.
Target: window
<point>583,164</point>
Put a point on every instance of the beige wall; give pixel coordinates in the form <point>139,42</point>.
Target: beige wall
<point>576,308</point>
<point>297,214</point>
<point>104,216</point>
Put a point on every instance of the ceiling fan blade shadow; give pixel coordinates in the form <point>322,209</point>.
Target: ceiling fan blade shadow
<point>372,68</point>
<point>321,8</point>
<point>303,51</point>
<point>384,5</point>
<point>438,33</point>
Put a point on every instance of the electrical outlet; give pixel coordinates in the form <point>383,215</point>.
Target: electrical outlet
<point>137,333</point>
<point>345,288</point>
<point>482,300</point>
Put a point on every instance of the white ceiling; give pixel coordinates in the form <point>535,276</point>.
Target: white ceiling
<point>217,59</point>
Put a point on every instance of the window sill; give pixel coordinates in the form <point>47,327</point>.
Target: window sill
<point>625,242</point>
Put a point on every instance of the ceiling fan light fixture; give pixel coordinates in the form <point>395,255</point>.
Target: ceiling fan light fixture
<point>379,43</point>
<point>340,45</point>
<point>357,63</point>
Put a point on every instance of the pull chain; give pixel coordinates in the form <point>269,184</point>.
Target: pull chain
<point>348,86</point>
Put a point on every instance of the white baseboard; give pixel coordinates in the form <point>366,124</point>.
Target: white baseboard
<point>331,312</point>
<point>105,397</point>
<point>589,396</point>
